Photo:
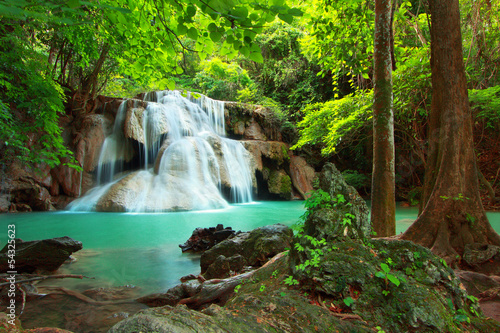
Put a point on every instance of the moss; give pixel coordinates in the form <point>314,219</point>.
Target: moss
<point>280,183</point>
<point>286,185</point>
<point>417,299</point>
<point>284,150</point>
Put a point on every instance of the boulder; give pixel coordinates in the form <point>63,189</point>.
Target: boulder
<point>396,284</point>
<point>46,255</point>
<point>302,176</point>
<point>203,239</point>
<point>342,214</point>
<point>279,184</point>
<point>254,247</point>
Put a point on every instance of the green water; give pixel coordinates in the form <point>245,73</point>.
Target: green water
<point>142,249</point>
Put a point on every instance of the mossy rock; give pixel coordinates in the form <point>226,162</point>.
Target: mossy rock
<point>397,285</point>
<point>280,183</point>
<point>256,246</point>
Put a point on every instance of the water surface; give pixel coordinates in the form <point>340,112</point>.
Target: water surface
<point>141,249</point>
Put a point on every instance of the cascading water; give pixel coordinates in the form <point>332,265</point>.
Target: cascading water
<point>185,162</point>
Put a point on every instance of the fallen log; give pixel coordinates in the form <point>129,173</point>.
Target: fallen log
<point>214,289</point>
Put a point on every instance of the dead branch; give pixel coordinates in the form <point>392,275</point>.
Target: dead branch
<point>46,277</point>
<point>82,297</point>
<point>214,289</point>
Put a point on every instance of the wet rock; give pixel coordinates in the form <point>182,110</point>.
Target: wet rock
<point>278,183</point>
<point>254,247</point>
<point>47,254</point>
<point>203,239</point>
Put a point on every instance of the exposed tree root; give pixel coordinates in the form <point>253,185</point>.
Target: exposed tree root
<point>46,277</point>
<point>214,289</point>
<point>82,297</point>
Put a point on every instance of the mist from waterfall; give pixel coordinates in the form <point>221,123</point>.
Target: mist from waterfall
<point>181,158</point>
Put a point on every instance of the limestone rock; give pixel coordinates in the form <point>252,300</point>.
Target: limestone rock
<point>47,254</point>
<point>255,246</point>
<point>203,239</point>
<point>278,183</point>
<point>254,131</point>
<point>302,175</point>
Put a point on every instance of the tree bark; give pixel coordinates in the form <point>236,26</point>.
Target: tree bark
<point>383,210</point>
<point>451,212</point>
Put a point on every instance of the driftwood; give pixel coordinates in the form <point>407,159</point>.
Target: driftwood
<point>82,297</point>
<point>46,277</point>
<point>214,289</point>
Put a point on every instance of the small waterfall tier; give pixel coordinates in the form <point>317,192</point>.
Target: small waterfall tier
<point>169,152</point>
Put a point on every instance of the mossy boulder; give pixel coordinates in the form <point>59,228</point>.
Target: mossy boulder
<point>246,249</point>
<point>279,183</point>
<point>397,285</point>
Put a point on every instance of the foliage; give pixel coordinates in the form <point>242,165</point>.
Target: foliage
<point>30,104</point>
<point>486,106</point>
<point>336,124</point>
<point>356,179</point>
<point>481,42</point>
<point>340,37</point>
<point>286,75</point>
<point>221,80</point>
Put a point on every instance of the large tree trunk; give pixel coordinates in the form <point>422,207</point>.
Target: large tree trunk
<point>451,212</point>
<point>383,208</point>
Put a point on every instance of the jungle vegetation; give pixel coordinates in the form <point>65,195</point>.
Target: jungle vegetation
<point>314,63</point>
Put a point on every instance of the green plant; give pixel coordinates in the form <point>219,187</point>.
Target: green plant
<point>348,301</point>
<point>290,281</point>
<point>262,288</point>
<point>459,316</point>
<point>356,179</point>
<point>317,198</point>
<point>237,288</point>
<point>275,274</point>
<point>385,274</point>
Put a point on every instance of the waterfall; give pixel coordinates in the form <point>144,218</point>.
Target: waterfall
<point>166,153</point>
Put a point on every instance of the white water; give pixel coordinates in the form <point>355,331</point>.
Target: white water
<point>185,159</point>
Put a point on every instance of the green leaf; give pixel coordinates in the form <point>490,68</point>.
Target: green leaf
<point>212,27</point>
<point>193,33</point>
<point>393,279</point>
<point>245,51</point>
<point>348,301</point>
<point>170,84</point>
<point>385,267</point>
<point>286,17</point>
<point>380,274</point>
<point>73,4</point>
<point>191,11</point>
<point>295,12</point>
<point>181,29</point>
<point>215,36</point>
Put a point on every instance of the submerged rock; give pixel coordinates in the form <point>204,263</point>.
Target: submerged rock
<point>47,254</point>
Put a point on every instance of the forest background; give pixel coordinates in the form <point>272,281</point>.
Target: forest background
<point>311,62</point>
